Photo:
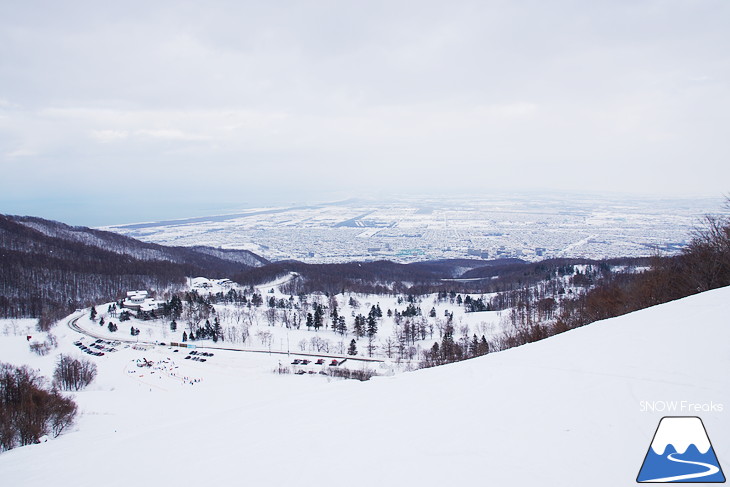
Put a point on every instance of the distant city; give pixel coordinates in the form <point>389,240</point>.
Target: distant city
<point>529,227</point>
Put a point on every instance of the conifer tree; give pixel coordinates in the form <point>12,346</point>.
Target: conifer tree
<point>318,314</point>
<point>341,326</point>
<point>483,348</point>
<point>474,346</point>
<point>448,347</point>
<point>372,326</point>
<point>436,353</point>
<point>217,330</point>
<point>359,326</point>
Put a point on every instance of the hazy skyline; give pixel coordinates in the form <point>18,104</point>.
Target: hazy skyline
<point>157,110</point>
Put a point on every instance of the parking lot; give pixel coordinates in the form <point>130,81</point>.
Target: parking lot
<point>98,347</point>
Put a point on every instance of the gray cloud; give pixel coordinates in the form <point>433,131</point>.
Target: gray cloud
<point>239,102</point>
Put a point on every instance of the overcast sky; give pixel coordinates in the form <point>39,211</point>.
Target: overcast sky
<point>148,110</point>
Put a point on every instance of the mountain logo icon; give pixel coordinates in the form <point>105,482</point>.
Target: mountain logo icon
<point>681,452</point>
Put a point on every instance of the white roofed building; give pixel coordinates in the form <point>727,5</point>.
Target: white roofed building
<point>140,301</point>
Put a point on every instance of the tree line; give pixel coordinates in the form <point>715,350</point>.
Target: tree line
<point>703,264</point>
<point>32,408</point>
<point>48,269</point>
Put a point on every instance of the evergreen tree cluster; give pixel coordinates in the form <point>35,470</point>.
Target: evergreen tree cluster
<point>173,308</point>
<point>475,305</point>
<point>450,350</point>
<point>208,331</point>
<point>410,311</point>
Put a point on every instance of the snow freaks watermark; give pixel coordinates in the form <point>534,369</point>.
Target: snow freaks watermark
<point>680,451</point>
<point>680,407</point>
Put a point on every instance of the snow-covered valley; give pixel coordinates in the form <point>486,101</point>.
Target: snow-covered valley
<point>489,226</point>
<point>568,410</point>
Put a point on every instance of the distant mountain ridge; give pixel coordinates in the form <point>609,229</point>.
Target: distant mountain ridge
<point>48,268</point>
<point>136,248</point>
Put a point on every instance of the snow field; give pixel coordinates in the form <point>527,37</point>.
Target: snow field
<point>262,336</point>
<point>563,411</point>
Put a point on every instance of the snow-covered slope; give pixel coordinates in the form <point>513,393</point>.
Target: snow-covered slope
<point>565,411</point>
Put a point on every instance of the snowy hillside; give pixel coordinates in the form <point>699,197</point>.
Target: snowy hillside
<point>60,232</point>
<point>569,410</point>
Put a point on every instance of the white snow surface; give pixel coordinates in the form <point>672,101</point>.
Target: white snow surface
<point>680,432</point>
<point>564,411</point>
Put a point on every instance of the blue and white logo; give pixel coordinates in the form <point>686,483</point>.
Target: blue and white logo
<point>681,452</point>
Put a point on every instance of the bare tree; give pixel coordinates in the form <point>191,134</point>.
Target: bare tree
<point>271,316</point>
<point>72,374</point>
<point>251,317</point>
<point>707,257</point>
<point>371,345</point>
<point>264,337</point>
<point>389,347</point>
<point>29,410</point>
<point>320,344</point>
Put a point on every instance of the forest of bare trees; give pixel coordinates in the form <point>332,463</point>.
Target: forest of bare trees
<point>704,264</point>
<point>48,269</point>
<point>73,374</point>
<point>30,409</point>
